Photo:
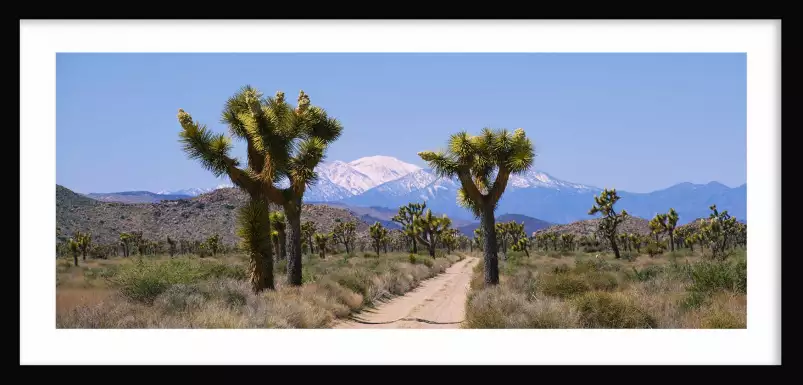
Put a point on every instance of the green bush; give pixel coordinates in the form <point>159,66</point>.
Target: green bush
<point>601,310</point>
<point>563,285</point>
<point>600,280</point>
<point>143,280</point>
<point>413,259</point>
<point>645,274</point>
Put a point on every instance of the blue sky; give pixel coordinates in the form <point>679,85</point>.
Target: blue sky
<point>636,122</point>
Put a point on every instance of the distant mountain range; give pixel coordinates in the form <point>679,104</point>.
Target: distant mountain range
<point>379,184</point>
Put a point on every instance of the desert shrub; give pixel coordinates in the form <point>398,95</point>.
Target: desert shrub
<point>654,248</point>
<point>498,307</point>
<point>524,282</point>
<point>712,276</point>
<point>413,259</point>
<point>645,274</point>
<point>601,280</point>
<point>425,260</point>
<point>562,268</point>
<point>554,254</point>
<point>601,310</point>
<point>143,281</point>
<point>719,319</point>
<point>356,280</point>
<point>181,298</point>
<point>563,285</point>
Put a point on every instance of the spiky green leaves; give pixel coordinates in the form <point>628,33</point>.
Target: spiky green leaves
<point>254,226</point>
<point>201,143</point>
<point>475,159</point>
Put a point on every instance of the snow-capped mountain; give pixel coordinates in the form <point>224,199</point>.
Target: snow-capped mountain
<point>194,191</point>
<point>386,182</point>
<point>381,169</point>
<point>346,176</point>
<point>533,178</point>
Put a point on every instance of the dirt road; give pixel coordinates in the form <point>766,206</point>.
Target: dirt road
<point>441,299</point>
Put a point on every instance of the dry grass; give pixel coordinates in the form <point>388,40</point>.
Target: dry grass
<point>594,290</point>
<point>189,292</point>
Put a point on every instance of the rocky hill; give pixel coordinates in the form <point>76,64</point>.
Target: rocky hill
<point>191,219</point>
<point>588,227</point>
<point>531,225</point>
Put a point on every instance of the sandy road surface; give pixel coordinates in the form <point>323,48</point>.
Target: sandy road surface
<point>440,299</point>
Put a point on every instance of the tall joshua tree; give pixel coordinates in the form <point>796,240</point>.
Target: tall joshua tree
<point>73,246</point>
<point>284,143</point>
<point>308,230</point>
<point>669,226</point>
<point>125,241</point>
<point>406,218</point>
<point>379,235</point>
<point>610,219</point>
<point>431,229</point>
<point>320,243</point>
<point>657,225</point>
<point>84,242</point>
<point>344,233</point>
<point>213,243</point>
<point>474,160</point>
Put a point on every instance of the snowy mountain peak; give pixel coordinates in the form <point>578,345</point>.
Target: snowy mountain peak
<point>534,178</point>
<point>383,169</point>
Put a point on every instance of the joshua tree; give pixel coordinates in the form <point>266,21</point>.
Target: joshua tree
<point>172,246</point>
<point>610,219</point>
<point>669,226</point>
<point>74,246</point>
<point>213,243</point>
<point>277,221</point>
<point>553,239</point>
<point>308,230</point>
<point>450,239</point>
<point>320,243</point>
<point>624,241</point>
<point>431,228</point>
<point>658,225</point>
<point>473,160</point>
<point>138,242</point>
<point>522,244</point>
<point>283,144</point>
<point>635,241</point>
<point>84,241</point>
<point>690,239</point>
<point>125,241</point>
<point>344,233</point>
<point>379,235</point>
<point>718,231</point>
<point>406,218</point>
<point>567,241</point>
<point>478,241</point>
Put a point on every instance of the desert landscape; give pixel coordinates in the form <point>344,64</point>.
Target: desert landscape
<point>473,236</point>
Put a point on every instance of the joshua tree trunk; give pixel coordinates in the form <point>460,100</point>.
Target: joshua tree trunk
<point>261,270</point>
<point>322,252</point>
<point>489,236</point>
<point>385,246</point>
<point>615,248</point>
<point>283,243</point>
<point>309,242</point>
<point>293,215</point>
<point>415,246</point>
<point>672,240</point>
<point>75,258</point>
